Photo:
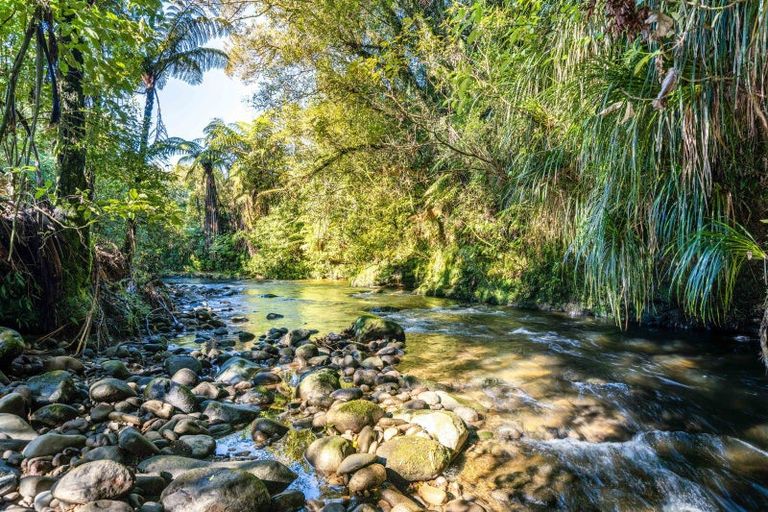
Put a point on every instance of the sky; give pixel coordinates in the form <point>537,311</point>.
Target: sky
<point>187,109</point>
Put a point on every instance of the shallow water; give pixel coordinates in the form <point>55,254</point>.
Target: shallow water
<point>590,418</point>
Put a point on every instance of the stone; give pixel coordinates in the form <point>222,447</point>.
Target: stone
<point>110,390</point>
<point>266,428</point>
<point>216,490</point>
<point>288,501</point>
<point>31,486</point>
<point>51,444</point>
<point>113,453</point>
<point>275,475</point>
<point>306,351</point>
<point>171,393</point>
<point>13,403</point>
<point>93,481</point>
<point>327,453</point>
<point>347,394</point>
<point>67,363</point>
<point>177,362</point>
<point>432,495</point>
<point>11,346</point>
<point>237,369</point>
<point>353,415</point>
<point>136,444</point>
<point>445,426</point>
<point>105,506</point>
<point>367,478</point>
<point>355,461</point>
<point>115,368</point>
<point>371,327</point>
<point>316,386</point>
<point>234,414</point>
<point>53,415</point>
<point>415,458</point>
<point>185,377</point>
<point>294,337</point>
<point>16,428</point>
<point>9,479</point>
<point>200,446</point>
<point>54,386</point>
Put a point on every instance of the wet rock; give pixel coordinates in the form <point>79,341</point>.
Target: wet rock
<point>172,464</point>
<point>370,327</point>
<point>256,396</point>
<point>415,458</point>
<point>11,346</point>
<point>110,390</point>
<point>207,390</point>
<point>171,393</point>
<point>94,481</point>
<point>9,479</point>
<point>199,446</point>
<point>354,415</point>
<point>136,444</point>
<point>316,387</point>
<point>263,429</point>
<point>355,461</point>
<point>177,362</point>
<point>53,415</point>
<point>13,403</point>
<point>244,336</point>
<point>288,501</point>
<point>235,414</point>
<point>445,426</point>
<point>367,478</point>
<point>51,444</point>
<point>432,495</point>
<point>54,386</point>
<point>274,316</point>
<point>327,453</point>
<point>214,490</point>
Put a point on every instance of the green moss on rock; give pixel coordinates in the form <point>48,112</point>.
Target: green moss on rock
<point>371,327</point>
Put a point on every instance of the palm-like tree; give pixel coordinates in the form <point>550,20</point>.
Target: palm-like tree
<point>177,51</point>
<point>217,151</point>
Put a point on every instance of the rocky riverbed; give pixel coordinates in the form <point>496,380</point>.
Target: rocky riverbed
<point>141,426</point>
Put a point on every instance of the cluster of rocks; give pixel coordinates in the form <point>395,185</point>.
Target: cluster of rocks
<point>135,427</point>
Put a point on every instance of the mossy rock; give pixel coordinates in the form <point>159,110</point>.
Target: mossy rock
<point>445,426</point>
<point>354,415</point>
<point>53,415</point>
<point>316,387</point>
<point>11,346</point>
<point>55,386</point>
<point>371,327</point>
<point>415,458</point>
<point>327,453</point>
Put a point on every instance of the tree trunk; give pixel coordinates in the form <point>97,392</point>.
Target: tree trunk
<point>129,244</point>
<point>211,225</point>
<point>71,157</point>
<point>149,105</point>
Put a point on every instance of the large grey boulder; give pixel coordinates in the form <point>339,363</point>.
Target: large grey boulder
<point>93,481</point>
<point>215,490</point>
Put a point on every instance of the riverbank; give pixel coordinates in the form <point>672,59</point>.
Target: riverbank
<point>136,426</point>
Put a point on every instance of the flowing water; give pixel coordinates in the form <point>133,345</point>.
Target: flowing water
<point>579,415</point>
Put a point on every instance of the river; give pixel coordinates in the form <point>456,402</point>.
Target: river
<point>579,415</point>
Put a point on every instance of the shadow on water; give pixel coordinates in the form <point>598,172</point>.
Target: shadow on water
<point>583,416</point>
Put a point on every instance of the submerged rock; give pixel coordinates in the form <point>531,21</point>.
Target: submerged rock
<point>215,490</point>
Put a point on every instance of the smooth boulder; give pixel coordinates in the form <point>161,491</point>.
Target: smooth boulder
<point>93,481</point>
<point>415,458</point>
<point>354,415</point>
<point>216,490</point>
